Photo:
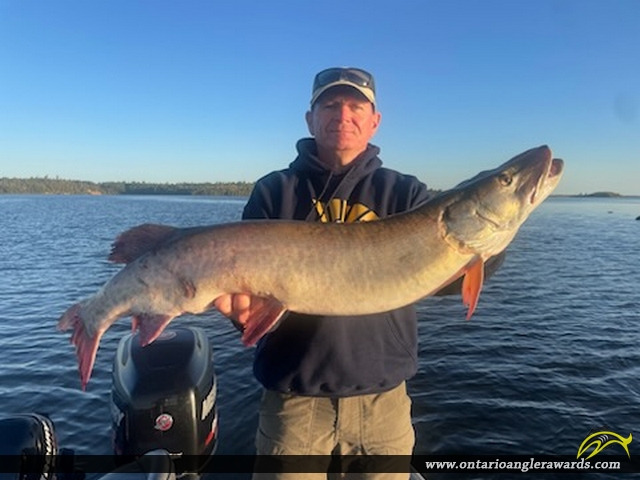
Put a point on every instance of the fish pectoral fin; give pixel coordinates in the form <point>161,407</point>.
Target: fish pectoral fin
<point>150,326</point>
<point>139,240</point>
<point>472,284</point>
<point>262,320</point>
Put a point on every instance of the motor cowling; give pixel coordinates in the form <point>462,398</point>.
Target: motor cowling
<point>164,396</point>
<point>28,447</point>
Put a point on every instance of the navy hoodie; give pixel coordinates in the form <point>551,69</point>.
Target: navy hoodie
<point>336,356</point>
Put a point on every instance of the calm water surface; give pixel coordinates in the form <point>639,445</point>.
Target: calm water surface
<point>552,351</point>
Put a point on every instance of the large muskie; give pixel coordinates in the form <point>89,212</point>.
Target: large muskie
<point>373,267</point>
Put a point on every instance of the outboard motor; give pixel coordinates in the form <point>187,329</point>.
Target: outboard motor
<point>28,447</point>
<point>164,396</point>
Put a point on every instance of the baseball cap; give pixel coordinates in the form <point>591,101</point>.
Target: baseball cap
<point>357,78</point>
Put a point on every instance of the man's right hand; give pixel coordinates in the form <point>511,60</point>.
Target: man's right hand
<point>238,307</point>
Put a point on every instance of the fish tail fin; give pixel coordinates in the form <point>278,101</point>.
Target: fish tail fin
<point>86,345</point>
<point>137,241</point>
<point>262,320</point>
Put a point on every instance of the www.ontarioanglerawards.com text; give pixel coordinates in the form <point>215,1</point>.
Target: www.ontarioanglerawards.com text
<point>523,466</point>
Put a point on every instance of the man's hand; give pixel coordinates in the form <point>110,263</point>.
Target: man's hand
<point>238,307</point>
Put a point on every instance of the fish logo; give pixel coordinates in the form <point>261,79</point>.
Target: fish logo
<point>602,439</point>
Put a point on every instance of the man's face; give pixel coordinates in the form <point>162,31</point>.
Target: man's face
<point>342,120</point>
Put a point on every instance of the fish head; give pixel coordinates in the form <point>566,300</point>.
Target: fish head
<point>483,214</point>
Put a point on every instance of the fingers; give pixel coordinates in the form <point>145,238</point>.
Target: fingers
<point>242,306</point>
<point>224,304</point>
<point>237,307</point>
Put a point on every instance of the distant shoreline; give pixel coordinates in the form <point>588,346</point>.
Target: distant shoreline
<point>57,186</point>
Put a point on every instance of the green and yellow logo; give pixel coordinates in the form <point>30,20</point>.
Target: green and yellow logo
<point>601,439</point>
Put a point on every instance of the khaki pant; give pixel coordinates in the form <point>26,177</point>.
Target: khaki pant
<point>376,424</point>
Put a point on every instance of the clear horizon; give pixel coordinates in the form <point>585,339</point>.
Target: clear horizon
<point>175,92</point>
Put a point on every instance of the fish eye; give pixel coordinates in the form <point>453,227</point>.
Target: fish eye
<point>505,179</point>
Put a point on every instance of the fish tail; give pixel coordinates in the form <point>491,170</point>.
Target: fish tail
<point>86,345</point>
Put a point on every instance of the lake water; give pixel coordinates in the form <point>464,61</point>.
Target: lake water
<point>552,351</point>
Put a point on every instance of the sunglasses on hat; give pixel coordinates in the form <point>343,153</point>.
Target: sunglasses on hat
<point>357,78</point>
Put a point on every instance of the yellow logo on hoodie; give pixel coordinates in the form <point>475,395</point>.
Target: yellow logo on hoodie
<point>339,211</point>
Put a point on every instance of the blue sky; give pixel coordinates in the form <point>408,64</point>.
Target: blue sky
<point>197,90</point>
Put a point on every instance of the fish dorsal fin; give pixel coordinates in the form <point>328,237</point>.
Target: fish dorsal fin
<point>472,284</point>
<point>137,241</point>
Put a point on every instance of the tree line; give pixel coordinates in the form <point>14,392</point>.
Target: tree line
<point>57,186</point>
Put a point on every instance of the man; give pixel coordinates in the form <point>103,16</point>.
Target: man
<point>335,385</point>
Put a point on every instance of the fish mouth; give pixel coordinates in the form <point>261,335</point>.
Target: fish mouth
<point>551,172</point>
<point>556,167</point>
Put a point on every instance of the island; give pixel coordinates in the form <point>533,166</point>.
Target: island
<point>601,195</point>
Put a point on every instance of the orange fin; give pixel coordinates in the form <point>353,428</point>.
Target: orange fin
<point>472,284</point>
<point>262,321</point>
<point>137,241</point>
<point>150,326</point>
